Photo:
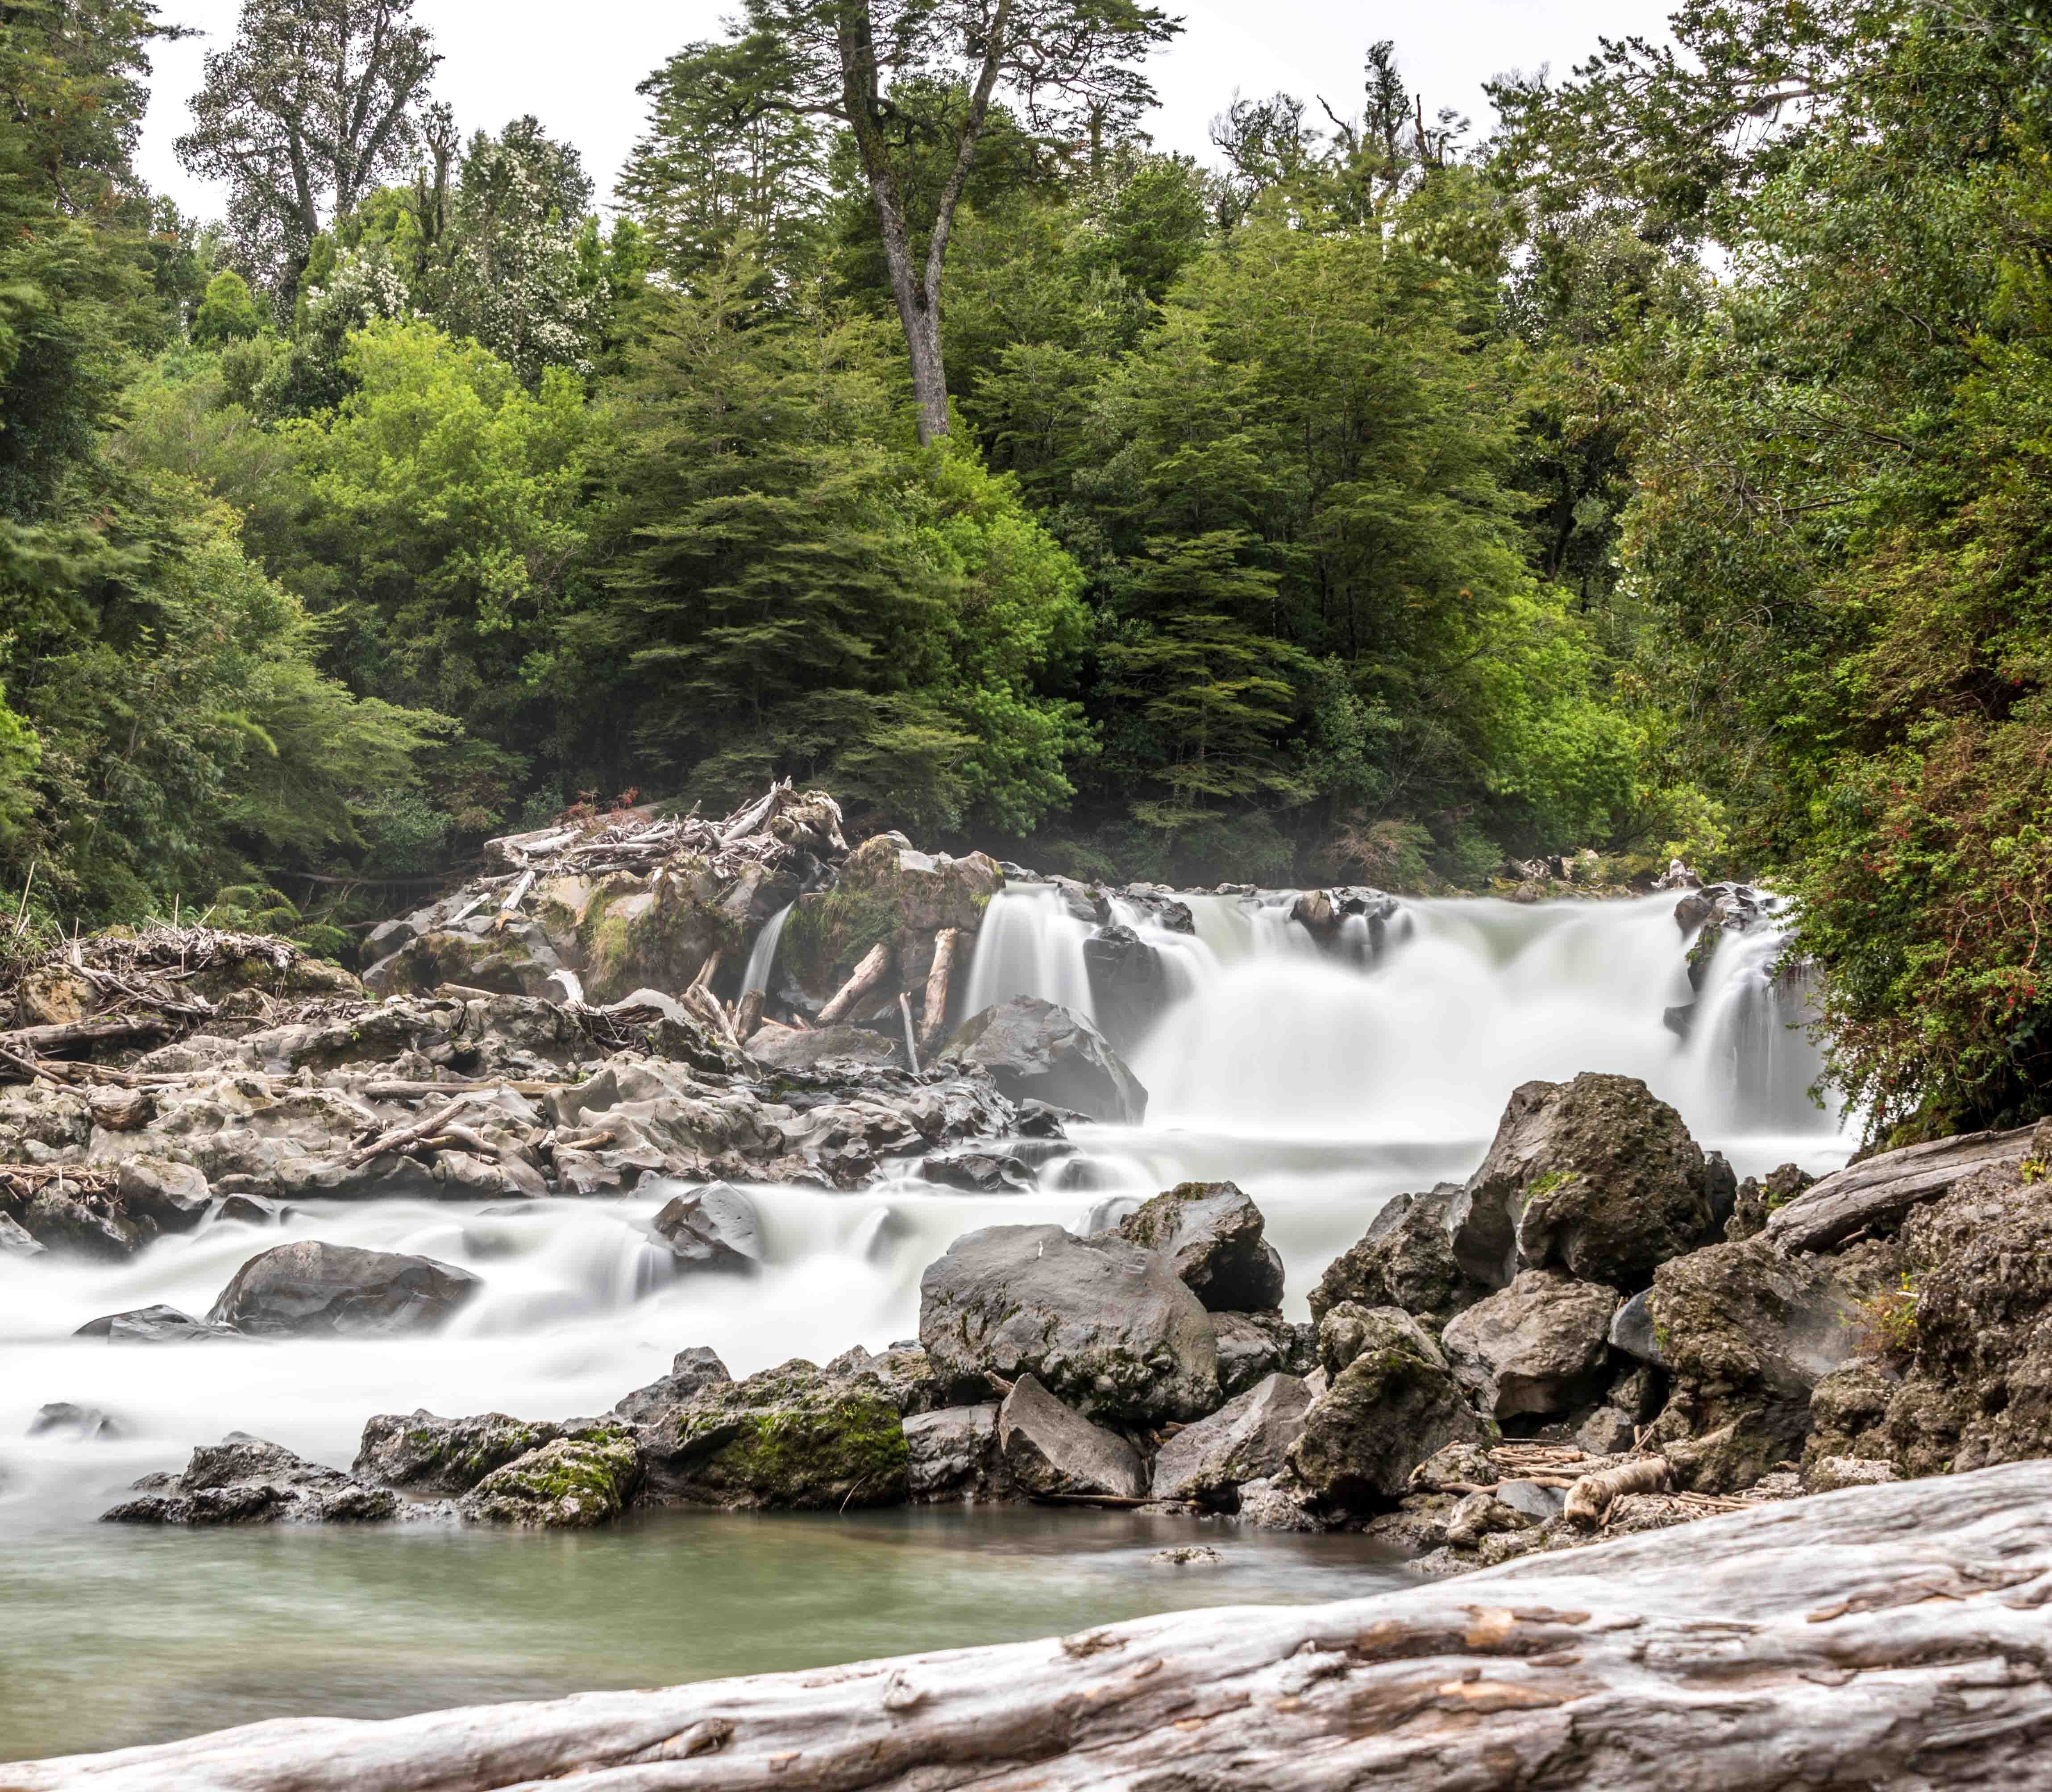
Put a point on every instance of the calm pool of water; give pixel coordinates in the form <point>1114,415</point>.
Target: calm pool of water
<point>110,1636</point>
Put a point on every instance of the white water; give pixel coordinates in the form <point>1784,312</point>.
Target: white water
<point>762,954</point>
<point>1322,1086</point>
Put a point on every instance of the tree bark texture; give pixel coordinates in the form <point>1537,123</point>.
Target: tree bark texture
<point>1896,1636</point>
<point>1884,1188</point>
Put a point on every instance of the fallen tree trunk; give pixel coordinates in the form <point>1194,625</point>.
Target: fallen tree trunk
<point>934,1018</point>
<point>868,975</point>
<point>1893,1636</point>
<point>1589,1499</point>
<point>1880,1191</point>
<point>73,1035</point>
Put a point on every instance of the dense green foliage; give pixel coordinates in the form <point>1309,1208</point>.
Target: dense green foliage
<point>1664,473</point>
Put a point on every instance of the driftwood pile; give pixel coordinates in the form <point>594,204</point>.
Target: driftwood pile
<point>769,832</point>
<point>1896,1636</point>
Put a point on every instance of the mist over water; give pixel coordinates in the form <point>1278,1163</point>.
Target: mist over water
<point>1323,1080</point>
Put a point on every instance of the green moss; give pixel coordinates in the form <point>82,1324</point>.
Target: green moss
<point>828,933</point>
<point>1543,1186</point>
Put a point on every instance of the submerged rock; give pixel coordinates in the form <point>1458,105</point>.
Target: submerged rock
<point>1105,1325</point>
<point>1035,1050</point>
<point>1212,1234</point>
<point>311,1289</point>
<point>1049,1449</point>
<point>716,1226</point>
<point>156,1324</point>
<point>80,1422</point>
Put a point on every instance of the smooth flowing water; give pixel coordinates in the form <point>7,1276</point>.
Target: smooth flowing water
<point>1322,1081</point>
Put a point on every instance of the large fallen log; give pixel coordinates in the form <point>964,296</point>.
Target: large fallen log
<point>939,976</point>
<point>874,968</point>
<point>83,1035</point>
<point>1880,1191</point>
<point>1896,1636</point>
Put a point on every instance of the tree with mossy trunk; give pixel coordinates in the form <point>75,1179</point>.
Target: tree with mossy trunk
<point>1070,68</point>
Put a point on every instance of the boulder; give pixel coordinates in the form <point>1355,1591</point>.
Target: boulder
<point>1538,1347</point>
<point>310,1288</point>
<point>1252,1346</point>
<point>952,1454</point>
<point>1595,1175</point>
<point>1394,1404</point>
<point>1104,1324</point>
<point>1405,1260</point>
<point>79,1421</point>
<point>427,1454</point>
<point>15,1241</point>
<point>1035,1050</point>
<point>903,1375</point>
<point>571,1483</point>
<point>245,1481</point>
<point>1631,1330</point>
<point>1248,1439</point>
<point>1211,1234</point>
<point>1829,1473</point>
<point>1347,1330</point>
<point>1129,985</point>
<point>715,1227</point>
<point>1048,1449</point>
<point>790,1437</point>
<point>890,894</point>
<point>154,1325</point>
<point>790,1048</point>
<point>691,1372</point>
<point>1748,1333</point>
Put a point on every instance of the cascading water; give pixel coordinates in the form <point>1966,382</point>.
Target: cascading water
<point>1323,1078</point>
<point>762,954</point>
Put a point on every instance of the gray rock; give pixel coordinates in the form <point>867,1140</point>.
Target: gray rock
<point>1538,1347</point>
<point>787,1048</point>
<point>1405,1260</point>
<point>171,1197</point>
<point>1394,1404</point>
<point>1104,1324</point>
<point>427,1454</point>
<point>1607,1432</point>
<point>156,1324</point>
<point>81,1422</point>
<point>1049,1449</point>
<point>249,1210</point>
<point>715,1227</point>
<point>1252,1346</point>
<point>1188,1556</point>
<point>1482,1515</point>
<point>311,1289</point>
<point>1632,1331</point>
<point>1828,1473</point>
<point>1128,983</point>
<point>1211,1234</point>
<point>1594,1175</point>
<point>1347,1330</point>
<point>1529,1498</point>
<point>903,1375</point>
<point>15,1242</point>
<point>1278,1504</point>
<point>1033,1050</point>
<point>571,1483</point>
<point>691,1372</point>
<point>245,1481</point>
<point>953,1453</point>
<point>1246,1439</point>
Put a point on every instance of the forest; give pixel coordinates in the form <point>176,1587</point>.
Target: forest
<point>1661,470</point>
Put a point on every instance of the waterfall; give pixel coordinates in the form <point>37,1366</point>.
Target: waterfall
<point>1030,944</point>
<point>762,954</point>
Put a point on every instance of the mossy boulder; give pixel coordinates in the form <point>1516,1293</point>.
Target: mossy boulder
<point>1596,1176</point>
<point>516,962</point>
<point>654,932</point>
<point>791,1437</point>
<point>886,892</point>
<point>1212,1234</point>
<point>1405,1260</point>
<point>428,1454</point>
<point>1747,1334</point>
<point>1392,1404</point>
<point>573,1483</point>
<point>1107,1326</point>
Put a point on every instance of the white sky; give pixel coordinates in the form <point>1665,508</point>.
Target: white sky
<point>576,69</point>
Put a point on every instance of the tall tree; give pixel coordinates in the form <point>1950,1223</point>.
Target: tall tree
<point>315,103</point>
<point>1070,68</point>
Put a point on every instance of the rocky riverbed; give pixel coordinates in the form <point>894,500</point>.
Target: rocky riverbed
<point>1600,1329</point>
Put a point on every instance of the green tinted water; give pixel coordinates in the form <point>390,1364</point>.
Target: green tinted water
<point>110,1637</point>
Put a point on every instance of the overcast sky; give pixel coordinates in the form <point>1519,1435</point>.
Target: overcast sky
<point>575,67</point>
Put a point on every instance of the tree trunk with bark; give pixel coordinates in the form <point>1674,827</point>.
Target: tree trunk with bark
<point>1896,1636</point>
